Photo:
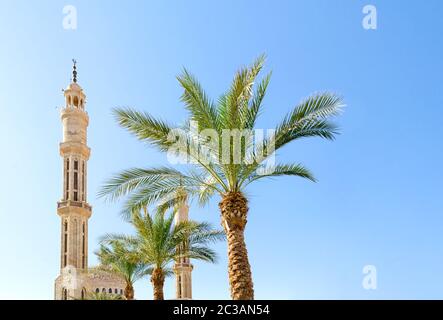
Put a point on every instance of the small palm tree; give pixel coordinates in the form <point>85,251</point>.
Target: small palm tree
<point>115,258</point>
<point>235,112</point>
<point>159,242</point>
<point>103,296</point>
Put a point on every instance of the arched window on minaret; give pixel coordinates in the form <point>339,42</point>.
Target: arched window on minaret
<point>83,197</point>
<point>67,180</point>
<point>179,287</point>
<point>85,177</point>
<point>65,243</point>
<point>76,101</point>
<point>75,240</point>
<point>83,246</point>
<point>75,180</point>
<point>64,294</point>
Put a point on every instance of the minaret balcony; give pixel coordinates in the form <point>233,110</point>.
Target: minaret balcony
<point>71,110</point>
<point>180,266</point>
<point>75,204</point>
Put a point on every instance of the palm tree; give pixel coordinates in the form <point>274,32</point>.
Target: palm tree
<point>214,166</point>
<point>159,242</point>
<point>103,296</point>
<point>115,258</point>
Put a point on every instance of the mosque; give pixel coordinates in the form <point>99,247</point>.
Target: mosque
<point>76,280</point>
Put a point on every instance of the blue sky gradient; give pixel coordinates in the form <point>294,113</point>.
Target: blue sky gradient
<point>378,199</point>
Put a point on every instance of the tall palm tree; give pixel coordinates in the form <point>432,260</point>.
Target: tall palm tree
<point>214,166</point>
<point>115,258</point>
<point>159,242</point>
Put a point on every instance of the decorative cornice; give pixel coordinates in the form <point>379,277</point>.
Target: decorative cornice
<point>75,148</point>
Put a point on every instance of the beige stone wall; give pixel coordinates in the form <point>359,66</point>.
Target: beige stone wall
<point>76,284</point>
<point>183,268</point>
<point>183,280</point>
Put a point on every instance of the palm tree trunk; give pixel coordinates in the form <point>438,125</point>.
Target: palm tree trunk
<point>129,292</point>
<point>158,280</point>
<point>234,210</point>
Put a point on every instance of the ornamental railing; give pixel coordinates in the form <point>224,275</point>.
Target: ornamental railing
<point>68,203</point>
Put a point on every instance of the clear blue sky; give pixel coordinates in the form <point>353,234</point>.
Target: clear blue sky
<point>378,199</point>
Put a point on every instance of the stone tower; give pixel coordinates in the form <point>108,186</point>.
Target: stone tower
<point>75,280</point>
<point>73,207</point>
<point>183,267</point>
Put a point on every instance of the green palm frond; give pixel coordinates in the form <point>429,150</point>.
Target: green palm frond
<point>197,102</point>
<point>150,194</point>
<point>131,179</point>
<point>310,119</point>
<point>207,190</point>
<point>145,127</point>
<point>202,253</point>
<point>110,238</point>
<point>317,106</point>
<point>281,170</point>
<point>147,186</point>
<point>233,105</point>
<point>256,102</point>
<point>103,296</point>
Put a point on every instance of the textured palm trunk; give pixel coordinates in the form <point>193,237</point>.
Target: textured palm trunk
<point>158,280</point>
<point>129,292</point>
<point>234,210</point>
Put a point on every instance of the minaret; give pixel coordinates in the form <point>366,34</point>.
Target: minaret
<point>183,267</point>
<point>75,280</point>
<point>73,207</point>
